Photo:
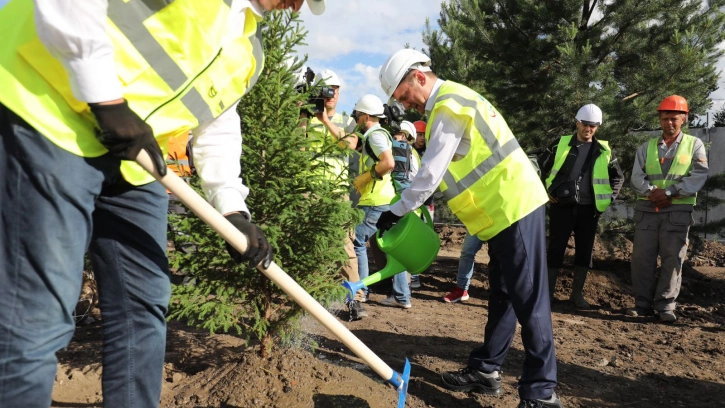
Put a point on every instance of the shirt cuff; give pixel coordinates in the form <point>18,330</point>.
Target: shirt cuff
<point>94,81</point>
<point>398,209</point>
<point>673,190</point>
<point>230,201</point>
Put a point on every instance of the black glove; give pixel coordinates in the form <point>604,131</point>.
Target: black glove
<point>124,134</point>
<point>258,249</point>
<point>387,220</point>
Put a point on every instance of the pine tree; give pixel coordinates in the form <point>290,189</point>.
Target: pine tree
<point>719,117</point>
<point>303,217</point>
<point>538,62</point>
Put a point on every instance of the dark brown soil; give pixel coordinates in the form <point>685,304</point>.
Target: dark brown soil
<point>605,359</point>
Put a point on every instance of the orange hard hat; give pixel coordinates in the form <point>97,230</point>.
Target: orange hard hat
<point>674,103</point>
<point>419,126</point>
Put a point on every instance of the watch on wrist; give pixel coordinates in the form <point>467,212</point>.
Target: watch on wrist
<point>668,193</point>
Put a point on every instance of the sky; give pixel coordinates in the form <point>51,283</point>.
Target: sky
<point>354,37</point>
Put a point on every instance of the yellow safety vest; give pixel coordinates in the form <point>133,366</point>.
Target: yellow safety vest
<point>335,161</point>
<point>377,192</point>
<point>680,167</point>
<point>494,184</point>
<point>600,175</point>
<point>180,65</point>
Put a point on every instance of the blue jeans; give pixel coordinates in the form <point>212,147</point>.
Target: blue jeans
<point>471,245</point>
<point>363,232</point>
<point>54,206</point>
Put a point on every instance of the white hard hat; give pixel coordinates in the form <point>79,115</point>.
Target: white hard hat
<point>317,7</point>
<point>370,104</point>
<point>393,70</point>
<point>408,128</point>
<point>328,76</point>
<point>590,113</point>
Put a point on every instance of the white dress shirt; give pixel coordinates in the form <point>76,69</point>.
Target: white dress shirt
<point>75,34</point>
<point>447,142</point>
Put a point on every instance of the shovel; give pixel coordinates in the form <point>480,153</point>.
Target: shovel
<point>235,238</point>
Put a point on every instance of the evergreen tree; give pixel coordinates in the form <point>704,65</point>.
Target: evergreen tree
<point>538,62</point>
<point>303,216</point>
<point>719,117</point>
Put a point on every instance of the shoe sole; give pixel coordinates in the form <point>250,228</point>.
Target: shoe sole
<point>398,305</point>
<point>481,389</point>
<point>635,314</point>
<point>460,299</point>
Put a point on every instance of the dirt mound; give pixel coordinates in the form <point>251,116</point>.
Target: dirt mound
<point>605,359</point>
<point>451,236</point>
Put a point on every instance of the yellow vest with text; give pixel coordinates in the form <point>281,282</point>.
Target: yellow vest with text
<point>180,65</point>
<point>333,161</point>
<point>377,192</point>
<point>494,184</point>
<point>681,164</point>
<point>600,175</point>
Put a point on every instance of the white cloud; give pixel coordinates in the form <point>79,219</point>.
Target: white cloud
<point>353,38</point>
<point>370,26</point>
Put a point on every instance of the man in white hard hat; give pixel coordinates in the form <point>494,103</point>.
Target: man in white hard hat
<point>85,87</point>
<point>583,177</point>
<point>376,189</point>
<point>491,186</point>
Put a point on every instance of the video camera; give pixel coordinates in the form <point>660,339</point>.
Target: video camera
<point>317,101</point>
<point>394,114</point>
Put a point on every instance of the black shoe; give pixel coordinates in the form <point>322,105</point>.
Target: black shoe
<point>551,402</point>
<point>357,311</point>
<point>468,379</point>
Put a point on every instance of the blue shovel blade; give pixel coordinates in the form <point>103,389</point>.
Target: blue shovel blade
<point>400,382</point>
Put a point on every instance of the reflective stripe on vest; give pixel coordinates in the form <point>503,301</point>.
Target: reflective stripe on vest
<point>681,164</point>
<point>177,158</point>
<point>600,175</point>
<point>179,64</point>
<point>485,187</point>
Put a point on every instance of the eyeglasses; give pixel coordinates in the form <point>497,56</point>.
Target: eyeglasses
<point>355,115</point>
<point>589,124</point>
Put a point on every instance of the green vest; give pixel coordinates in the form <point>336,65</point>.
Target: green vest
<point>333,164</point>
<point>494,184</point>
<point>377,192</point>
<point>175,76</point>
<point>600,175</point>
<point>680,167</point>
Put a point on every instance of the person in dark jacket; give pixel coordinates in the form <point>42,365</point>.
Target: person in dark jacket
<point>583,177</point>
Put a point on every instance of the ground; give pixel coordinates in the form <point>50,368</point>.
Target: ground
<point>605,359</point>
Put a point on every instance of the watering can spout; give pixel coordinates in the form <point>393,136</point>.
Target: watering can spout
<point>392,268</point>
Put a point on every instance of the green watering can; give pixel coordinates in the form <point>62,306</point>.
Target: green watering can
<point>411,245</point>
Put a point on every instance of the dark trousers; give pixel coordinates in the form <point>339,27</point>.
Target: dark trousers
<point>520,291</point>
<point>580,219</point>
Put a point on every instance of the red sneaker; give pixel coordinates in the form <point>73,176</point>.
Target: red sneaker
<point>457,295</point>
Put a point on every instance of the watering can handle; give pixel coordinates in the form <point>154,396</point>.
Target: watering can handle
<point>426,214</point>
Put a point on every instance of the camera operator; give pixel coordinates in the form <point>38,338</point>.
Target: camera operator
<point>325,127</point>
<point>327,124</point>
